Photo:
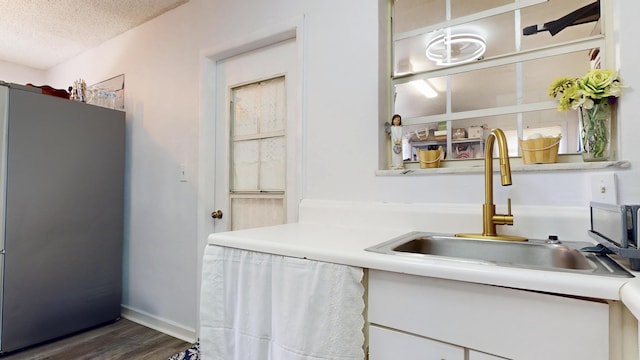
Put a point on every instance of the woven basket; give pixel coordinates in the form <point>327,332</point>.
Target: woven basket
<point>430,158</point>
<point>540,151</point>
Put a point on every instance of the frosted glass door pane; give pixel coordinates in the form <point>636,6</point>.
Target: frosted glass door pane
<point>252,213</point>
<point>272,163</point>
<point>272,105</point>
<point>245,165</point>
<point>245,107</point>
<point>258,166</point>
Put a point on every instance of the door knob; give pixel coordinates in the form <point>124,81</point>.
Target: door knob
<point>217,214</point>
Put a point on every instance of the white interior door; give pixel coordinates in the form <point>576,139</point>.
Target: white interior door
<point>254,91</point>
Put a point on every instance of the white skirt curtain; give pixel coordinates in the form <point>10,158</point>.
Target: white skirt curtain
<point>258,306</point>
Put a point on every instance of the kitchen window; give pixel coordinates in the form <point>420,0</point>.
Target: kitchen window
<point>459,66</point>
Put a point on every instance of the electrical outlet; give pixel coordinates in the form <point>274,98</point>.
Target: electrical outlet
<point>604,188</point>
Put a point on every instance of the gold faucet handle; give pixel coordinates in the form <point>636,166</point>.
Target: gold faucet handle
<point>503,219</point>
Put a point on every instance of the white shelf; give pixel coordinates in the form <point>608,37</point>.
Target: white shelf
<point>566,162</point>
<point>418,144</point>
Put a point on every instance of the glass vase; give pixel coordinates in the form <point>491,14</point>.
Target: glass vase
<point>595,132</point>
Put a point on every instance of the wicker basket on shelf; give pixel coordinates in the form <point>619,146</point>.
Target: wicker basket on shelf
<point>542,150</point>
<point>430,158</point>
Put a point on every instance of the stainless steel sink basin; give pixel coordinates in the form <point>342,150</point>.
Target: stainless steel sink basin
<point>534,254</point>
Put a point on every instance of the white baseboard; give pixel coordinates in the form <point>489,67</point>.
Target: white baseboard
<point>163,325</point>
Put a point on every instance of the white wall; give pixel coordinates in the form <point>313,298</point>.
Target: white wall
<point>19,74</point>
<point>160,60</point>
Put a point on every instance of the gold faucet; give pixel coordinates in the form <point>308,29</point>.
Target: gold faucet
<point>489,217</point>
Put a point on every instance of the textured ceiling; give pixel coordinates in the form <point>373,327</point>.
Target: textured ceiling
<point>43,33</point>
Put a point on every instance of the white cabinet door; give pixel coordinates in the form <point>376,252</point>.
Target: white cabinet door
<point>386,344</point>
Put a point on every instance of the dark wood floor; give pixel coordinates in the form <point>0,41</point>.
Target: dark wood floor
<point>123,339</point>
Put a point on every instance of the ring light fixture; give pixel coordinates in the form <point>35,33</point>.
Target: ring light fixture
<point>447,50</point>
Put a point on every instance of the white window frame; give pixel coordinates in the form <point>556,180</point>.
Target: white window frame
<point>604,42</point>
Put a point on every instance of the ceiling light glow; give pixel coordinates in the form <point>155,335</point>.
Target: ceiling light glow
<point>424,88</point>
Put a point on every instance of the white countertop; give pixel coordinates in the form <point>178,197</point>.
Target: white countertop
<point>345,245</point>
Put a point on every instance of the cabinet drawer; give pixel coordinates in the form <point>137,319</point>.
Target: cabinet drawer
<point>386,344</point>
<point>506,322</point>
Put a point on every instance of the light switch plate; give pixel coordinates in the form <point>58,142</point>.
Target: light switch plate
<point>182,173</point>
<point>604,188</point>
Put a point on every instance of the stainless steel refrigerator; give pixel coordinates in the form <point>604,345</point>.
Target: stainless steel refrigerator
<point>61,216</point>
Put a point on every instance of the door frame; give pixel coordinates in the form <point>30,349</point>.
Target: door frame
<point>293,29</point>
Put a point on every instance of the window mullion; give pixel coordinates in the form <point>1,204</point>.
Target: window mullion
<point>597,41</point>
<point>519,75</point>
<point>469,18</point>
<point>503,110</point>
